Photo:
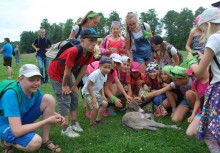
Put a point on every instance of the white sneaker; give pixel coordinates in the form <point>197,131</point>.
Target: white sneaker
<point>77,127</point>
<point>69,133</point>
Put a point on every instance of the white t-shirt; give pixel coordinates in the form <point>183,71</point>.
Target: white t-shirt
<point>183,88</point>
<point>98,80</point>
<point>213,42</point>
<point>166,60</point>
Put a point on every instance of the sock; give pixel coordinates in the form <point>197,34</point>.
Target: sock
<point>73,122</point>
<point>65,127</point>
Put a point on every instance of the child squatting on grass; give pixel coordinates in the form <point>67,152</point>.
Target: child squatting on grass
<point>93,91</point>
<point>17,123</point>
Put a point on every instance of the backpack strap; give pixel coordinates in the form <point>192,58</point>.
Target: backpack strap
<point>78,33</point>
<point>169,50</point>
<point>216,61</point>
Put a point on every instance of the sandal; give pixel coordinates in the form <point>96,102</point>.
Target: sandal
<point>55,149</point>
<point>6,149</point>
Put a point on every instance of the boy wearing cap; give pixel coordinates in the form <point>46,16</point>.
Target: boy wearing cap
<point>181,82</point>
<point>66,91</point>
<point>17,127</point>
<point>93,91</point>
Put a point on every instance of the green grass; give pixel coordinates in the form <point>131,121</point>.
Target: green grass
<point>113,137</point>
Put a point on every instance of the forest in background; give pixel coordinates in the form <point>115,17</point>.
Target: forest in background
<point>174,27</point>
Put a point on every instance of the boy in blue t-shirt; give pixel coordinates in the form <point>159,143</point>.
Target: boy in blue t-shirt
<point>17,126</point>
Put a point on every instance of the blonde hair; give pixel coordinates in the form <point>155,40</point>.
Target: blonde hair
<point>211,29</point>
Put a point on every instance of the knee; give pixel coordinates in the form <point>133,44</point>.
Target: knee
<point>35,144</point>
<point>49,101</point>
<point>190,133</point>
<point>176,118</point>
<point>190,94</point>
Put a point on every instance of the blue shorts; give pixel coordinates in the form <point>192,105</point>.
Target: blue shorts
<point>33,114</point>
<point>185,103</point>
<point>140,59</point>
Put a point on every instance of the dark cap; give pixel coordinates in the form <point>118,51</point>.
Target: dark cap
<point>156,40</point>
<point>105,59</point>
<point>89,33</point>
<point>216,4</point>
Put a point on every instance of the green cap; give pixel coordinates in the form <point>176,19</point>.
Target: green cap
<point>178,72</point>
<point>167,68</point>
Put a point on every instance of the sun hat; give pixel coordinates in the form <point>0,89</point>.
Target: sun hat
<point>167,68</point>
<point>29,70</point>
<point>105,59</point>
<point>116,57</point>
<point>89,33</point>
<point>124,58</point>
<point>178,72</point>
<point>135,67</point>
<point>211,14</point>
<point>156,40</point>
<point>197,19</point>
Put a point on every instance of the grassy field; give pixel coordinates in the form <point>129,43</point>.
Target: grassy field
<point>113,137</point>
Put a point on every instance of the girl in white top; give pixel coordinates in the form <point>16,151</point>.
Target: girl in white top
<point>208,128</point>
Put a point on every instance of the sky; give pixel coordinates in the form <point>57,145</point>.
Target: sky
<point>17,16</point>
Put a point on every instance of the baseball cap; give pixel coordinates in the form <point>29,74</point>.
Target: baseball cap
<point>167,68</point>
<point>29,70</point>
<point>89,33</point>
<point>197,19</point>
<point>211,14</point>
<point>116,58</point>
<point>156,40</point>
<point>105,59</point>
<point>135,67</point>
<point>124,58</point>
<point>178,72</point>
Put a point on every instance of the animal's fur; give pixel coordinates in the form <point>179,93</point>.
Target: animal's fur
<point>136,119</point>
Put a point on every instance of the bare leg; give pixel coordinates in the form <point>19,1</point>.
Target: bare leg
<point>192,128</point>
<point>180,113</point>
<point>101,111</point>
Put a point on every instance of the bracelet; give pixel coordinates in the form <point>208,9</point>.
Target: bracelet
<point>113,99</point>
<point>142,98</point>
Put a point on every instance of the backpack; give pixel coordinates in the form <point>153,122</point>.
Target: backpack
<point>178,53</point>
<point>57,49</point>
<point>12,84</point>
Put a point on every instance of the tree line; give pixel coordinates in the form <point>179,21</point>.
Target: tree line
<point>174,27</point>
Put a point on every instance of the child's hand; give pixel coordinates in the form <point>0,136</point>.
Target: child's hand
<point>137,99</point>
<point>128,98</point>
<point>95,103</point>
<point>190,119</point>
<point>118,103</point>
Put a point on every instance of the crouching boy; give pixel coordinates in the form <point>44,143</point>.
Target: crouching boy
<point>93,91</point>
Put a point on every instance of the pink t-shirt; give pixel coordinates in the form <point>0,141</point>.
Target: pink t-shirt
<point>200,87</point>
<point>92,67</point>
<point>112,75</point>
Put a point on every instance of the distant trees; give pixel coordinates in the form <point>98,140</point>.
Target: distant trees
<point>174,27</point>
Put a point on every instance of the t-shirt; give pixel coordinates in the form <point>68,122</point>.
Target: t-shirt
<point>213,42</point>
<point>9,103</point>
<point>43,44</point>
<point>56,67</point>
<point>7,50</point>
<point>112,75</point>
<point>200,87</point>
<point>98,80</point>
<point>182,88</point>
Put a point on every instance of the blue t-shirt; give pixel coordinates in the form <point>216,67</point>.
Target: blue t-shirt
<point>7,50</point>
<point>9,103</point>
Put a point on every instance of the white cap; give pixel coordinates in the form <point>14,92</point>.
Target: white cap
<point>29,70</point>
<point>211,14</point>
<point>124,58</point>
<point>116,58</point>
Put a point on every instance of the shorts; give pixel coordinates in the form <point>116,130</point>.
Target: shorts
<point>141,60</point>
<point>88,99</point>
<point>66,103</point>
<point>33,114</point>
<point>185,103</point>
<point>7,61</point>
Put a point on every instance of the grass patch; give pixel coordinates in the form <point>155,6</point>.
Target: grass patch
<point>113,137</point>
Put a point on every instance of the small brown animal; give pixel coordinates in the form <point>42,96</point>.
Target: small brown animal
<point>136,119</point>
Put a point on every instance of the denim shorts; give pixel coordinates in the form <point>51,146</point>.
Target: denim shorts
<point>185,103</point>
<point>140,59</point>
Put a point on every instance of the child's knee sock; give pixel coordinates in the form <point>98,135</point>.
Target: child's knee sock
<point>212,143</point>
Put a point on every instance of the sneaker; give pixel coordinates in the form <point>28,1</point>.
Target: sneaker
<point>69,133</point>
<point>88,114</point>
<point>77,127</point>
<point>111,111</point>
<point>105,113</point>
